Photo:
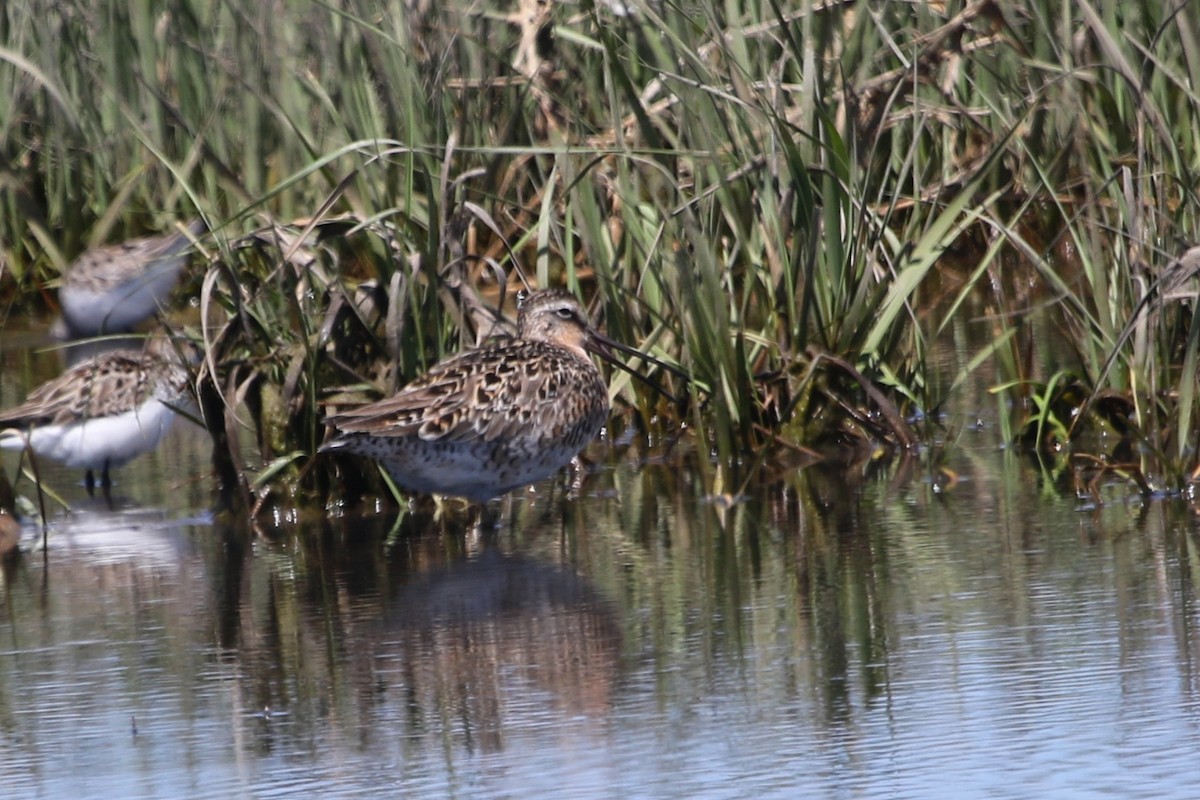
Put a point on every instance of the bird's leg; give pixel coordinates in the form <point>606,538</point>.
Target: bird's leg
<point>90,482</point>
<point>489,516</point>
<point>106,486</point>
<point>578,471</point>
<point>489,522</point>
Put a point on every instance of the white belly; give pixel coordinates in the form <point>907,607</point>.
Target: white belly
<point>89,312</point>
<point>95,444</point>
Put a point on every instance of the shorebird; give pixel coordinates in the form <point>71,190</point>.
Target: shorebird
<point>486,421</point>
<point>102,412</point>
<point>112,288</point>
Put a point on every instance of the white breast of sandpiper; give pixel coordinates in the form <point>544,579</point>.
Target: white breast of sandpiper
<point>99,441</point>
<point>114,287</point>
<point>90,310</point>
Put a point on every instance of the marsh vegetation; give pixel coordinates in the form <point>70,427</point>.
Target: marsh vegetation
<point>795,203</point>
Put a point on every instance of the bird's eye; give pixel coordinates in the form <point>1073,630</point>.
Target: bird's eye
<point>564,313</point>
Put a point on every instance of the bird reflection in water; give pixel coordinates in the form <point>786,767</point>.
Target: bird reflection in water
<point>486,636</point>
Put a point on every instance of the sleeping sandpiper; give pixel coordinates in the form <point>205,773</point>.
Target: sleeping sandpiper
<point>112,288</point>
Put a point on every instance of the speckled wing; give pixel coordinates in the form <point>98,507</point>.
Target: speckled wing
<point>470,398</point>
<point>109,266</point>
<point>109,384</point>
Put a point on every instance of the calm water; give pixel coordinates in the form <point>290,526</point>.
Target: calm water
<point>827,636</point>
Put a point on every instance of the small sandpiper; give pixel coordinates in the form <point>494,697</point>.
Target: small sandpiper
<point>102,412</point>
<point>110,289</point>
<point>486,421</point>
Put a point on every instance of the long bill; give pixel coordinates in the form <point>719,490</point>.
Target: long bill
<point>603,346</point>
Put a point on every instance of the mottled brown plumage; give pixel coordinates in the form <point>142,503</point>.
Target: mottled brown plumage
<point>493,419</point>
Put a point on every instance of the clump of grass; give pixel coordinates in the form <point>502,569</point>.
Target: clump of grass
<point>1114,180</point>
